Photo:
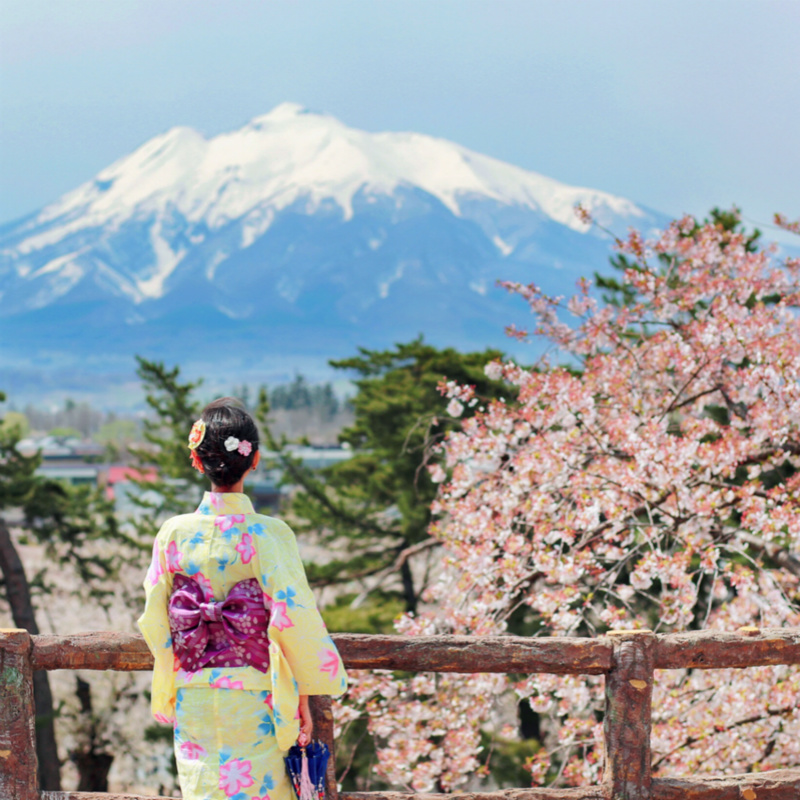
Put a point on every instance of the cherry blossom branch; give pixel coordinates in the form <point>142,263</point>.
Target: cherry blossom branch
<point>674,407</point>
<point>402,556</point>
<point>783,222</point>
<point>780,555</point>
<point>690,740</point>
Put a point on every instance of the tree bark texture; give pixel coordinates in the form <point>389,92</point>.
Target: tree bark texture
<point>98,796</point>
<point>19,598</point>
<point>124,652</point>
<point>627,723</point>
<point>17,732</point>
<point>93,763</point>
<point>470,654</point>
<point>779,784</point>
<point>514,654</point>
<point>322,714</point>
<point>409,593</point>
<point>748,647</point>
<point>628,660</point>
<point>581,793</point>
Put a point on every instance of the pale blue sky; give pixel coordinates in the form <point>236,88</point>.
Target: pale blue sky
<point>677,104</point>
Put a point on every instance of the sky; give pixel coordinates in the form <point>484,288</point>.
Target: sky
<point>679,105</point>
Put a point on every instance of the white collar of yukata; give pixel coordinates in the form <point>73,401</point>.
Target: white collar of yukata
<point>224,503</point>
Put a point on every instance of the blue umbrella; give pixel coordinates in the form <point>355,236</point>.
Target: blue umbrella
<point>306,767</point>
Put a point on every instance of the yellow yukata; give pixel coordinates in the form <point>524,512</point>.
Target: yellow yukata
<point>233,724</point>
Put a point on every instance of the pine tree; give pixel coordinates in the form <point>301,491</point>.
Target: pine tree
<point>377,503</point>
<point>174,408</point>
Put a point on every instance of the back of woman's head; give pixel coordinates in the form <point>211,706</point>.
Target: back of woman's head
<point>230,442</point>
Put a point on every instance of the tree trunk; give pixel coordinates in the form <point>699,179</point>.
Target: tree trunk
<point>93,764</point>
<point>18,595</point>
<point>409,594</point>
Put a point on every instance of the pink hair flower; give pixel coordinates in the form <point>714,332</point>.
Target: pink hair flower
<point>241,445</point>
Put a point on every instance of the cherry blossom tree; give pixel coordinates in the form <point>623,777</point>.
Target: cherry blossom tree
<point>644,476</point>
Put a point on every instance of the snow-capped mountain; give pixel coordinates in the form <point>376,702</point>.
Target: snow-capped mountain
<point>300,233</point>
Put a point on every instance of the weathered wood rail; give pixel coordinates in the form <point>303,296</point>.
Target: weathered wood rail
<point>627,659</point>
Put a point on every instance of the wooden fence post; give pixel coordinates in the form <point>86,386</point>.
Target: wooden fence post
<point>18,767</point>
<point>322,714</point>
<point>628,718</point>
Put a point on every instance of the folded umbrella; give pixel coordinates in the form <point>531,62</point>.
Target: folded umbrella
<point>306,767</point>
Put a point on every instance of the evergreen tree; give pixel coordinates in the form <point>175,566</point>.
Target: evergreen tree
<point>378,502</point>
<point>299,395</point>
<point>67,520</point>
<point>174,409</point>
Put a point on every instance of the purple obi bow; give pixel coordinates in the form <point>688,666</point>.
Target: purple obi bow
<point>218,633</point>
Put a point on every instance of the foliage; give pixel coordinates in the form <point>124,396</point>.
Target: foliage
<point>63,432</point>
<point>375,613</point>
<point>372,508</point>
<point>78,528</point>
<point>619,292</point>
<point>69,520</point>
<point>16,420</point>
<point>653,483</point>
<point>299,395</point>
<point>80,418</point>
<point>165,433</point>
<point>117,433</point>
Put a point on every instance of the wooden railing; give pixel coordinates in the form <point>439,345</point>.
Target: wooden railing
<point>627,659</point>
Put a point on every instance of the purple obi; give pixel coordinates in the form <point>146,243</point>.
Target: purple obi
<point>218,633</point>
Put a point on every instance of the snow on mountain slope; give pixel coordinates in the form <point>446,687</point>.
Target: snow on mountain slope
<point>294,234</point>
<point>290,154</point>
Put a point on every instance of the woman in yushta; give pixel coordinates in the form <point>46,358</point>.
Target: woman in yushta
<point>238,642</point>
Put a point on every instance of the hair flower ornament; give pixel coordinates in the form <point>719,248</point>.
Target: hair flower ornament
<point>197,434</point>
<point>242,446</point>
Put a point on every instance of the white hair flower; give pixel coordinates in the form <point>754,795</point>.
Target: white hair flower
<point>231,444</point>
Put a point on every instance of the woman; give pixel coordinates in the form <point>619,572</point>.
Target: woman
<point>238,642</point>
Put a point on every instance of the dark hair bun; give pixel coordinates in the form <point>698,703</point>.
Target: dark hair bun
<point>224,418</point>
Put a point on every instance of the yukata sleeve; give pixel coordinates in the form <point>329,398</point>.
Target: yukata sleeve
<point>154,625</point>
<point>295,622</point>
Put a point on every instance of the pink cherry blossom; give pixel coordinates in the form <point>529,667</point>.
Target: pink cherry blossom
<point>329,662</point>
<point>226,683</point>
<point>205,584</point>
<point>226,521</point>
<point>245,548</point>
<point>192,751</point>
<point>656,481</point>
<point>217,499</point>
<point>235,775</point>
<point>187,676</point>
<point>155,570</point>
<point>173,556</point>
<point>280,616</point>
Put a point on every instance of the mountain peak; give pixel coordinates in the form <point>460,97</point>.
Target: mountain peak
<point>284,112</point>
<point>291,157</point>
<point>292,234</point>
<point>291,153</point>
<point>287,109</point>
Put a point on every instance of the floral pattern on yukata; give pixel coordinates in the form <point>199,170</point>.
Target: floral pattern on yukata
<point>222,543</point>
<point>248,765</point>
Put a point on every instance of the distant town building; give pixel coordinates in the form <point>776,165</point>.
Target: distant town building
<point>66,458</point>
<point>80,463</point>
